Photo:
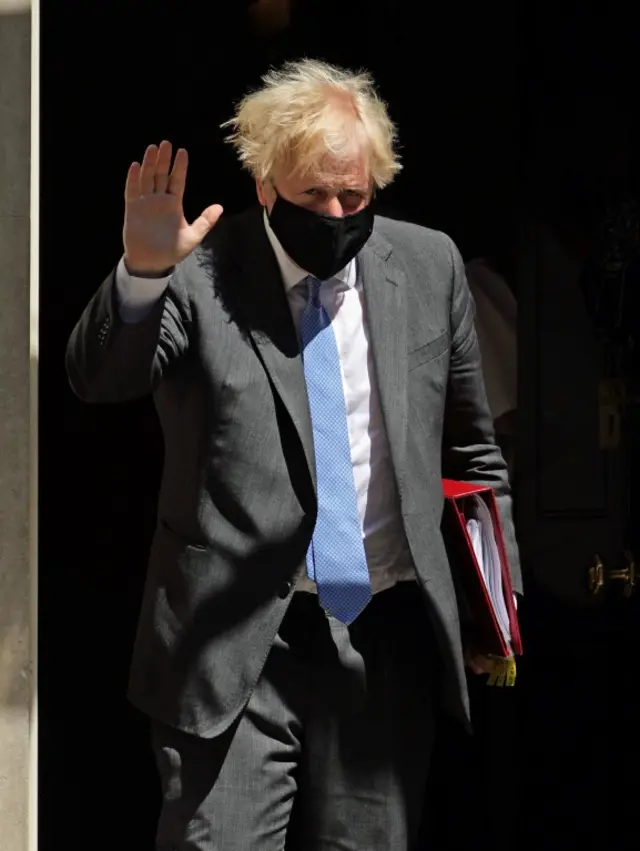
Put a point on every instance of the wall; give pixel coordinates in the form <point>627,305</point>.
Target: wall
<point>15,667</point>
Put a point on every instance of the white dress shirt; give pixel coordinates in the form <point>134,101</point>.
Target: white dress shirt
<point>387,551</point>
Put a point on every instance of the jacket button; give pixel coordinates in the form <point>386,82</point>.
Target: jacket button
<point>284,591</point>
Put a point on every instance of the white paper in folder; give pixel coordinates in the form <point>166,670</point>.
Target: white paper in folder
<point>483,540</point>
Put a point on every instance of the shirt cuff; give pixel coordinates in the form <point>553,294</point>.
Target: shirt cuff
<point>137,296</point>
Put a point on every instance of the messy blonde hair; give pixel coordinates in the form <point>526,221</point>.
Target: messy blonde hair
<point>308,112</point>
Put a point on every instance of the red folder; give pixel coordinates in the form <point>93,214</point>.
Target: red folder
<point>476,594</point>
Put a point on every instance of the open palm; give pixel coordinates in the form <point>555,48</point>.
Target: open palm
<point>156,234</point>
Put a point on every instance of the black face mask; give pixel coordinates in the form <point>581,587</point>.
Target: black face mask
<point>320,244</point>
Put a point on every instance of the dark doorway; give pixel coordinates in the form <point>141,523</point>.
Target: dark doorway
<point>509,122</point>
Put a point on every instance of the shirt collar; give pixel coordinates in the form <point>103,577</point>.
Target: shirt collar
<point>292,274</point>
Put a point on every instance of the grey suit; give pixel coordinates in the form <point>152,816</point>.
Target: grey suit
<point>237,501</point>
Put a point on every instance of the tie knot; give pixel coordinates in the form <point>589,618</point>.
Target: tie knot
<point>313,289</point>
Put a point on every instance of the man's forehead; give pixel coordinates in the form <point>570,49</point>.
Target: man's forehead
<point>334,175</point>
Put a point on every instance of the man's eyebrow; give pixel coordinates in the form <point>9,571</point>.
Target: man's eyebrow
<point>324,187</point>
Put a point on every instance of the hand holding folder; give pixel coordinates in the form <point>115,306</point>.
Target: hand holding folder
<point>475,544</point>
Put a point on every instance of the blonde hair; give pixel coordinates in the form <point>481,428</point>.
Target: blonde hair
<point>308,112</point>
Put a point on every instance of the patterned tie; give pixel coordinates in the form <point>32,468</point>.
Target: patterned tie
<point>336,559</point>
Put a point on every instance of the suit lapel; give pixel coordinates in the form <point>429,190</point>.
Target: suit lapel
<point>271,328</point>
<point>385,315</point>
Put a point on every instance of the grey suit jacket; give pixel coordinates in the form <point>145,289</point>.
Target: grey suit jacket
<point>237,504</point>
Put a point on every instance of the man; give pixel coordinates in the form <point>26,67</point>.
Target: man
<point>316,372</point>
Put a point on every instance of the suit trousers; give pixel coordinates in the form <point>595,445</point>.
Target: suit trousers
<point>332,751</point>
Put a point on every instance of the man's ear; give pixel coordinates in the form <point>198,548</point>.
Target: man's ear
<point>266,194</point>
<point>261,193</point>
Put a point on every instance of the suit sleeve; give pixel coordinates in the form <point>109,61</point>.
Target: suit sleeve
<point>136,296</point>
<point>110,360</point>
<point>469,451</point>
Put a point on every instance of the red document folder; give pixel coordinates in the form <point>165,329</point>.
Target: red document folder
<point>489,625</point>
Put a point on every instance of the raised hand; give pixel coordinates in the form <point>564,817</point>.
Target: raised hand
<point>156,234</point>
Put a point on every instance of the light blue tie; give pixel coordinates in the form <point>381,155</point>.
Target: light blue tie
<point>336,559</point>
